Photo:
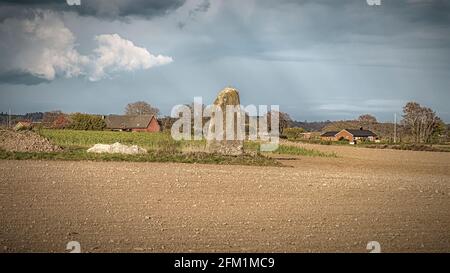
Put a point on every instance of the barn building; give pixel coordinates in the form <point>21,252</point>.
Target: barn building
<point>352,135</point>
<point>142,123</point>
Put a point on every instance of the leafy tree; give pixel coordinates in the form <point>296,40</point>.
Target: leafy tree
<point>87,122</point>
<point>61,122</point>
<point>440,132</point>
<point>293,133</point>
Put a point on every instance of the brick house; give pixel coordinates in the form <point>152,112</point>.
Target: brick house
<point>352,135</point>
<point>142,123</point>
<point>23,124</point>
<point>329,136</point>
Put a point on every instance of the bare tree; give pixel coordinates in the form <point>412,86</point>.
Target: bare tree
<point>367,119</point>
<point>421,122</point>
<point>167,122</point>
<point>411,118</point>
<point>49,117</point>
<point>285,120</point>
<point>141,108</point>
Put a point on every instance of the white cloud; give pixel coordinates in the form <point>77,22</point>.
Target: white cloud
<point>115,54</point>
<point>44,48</point>
<point>41,46</point>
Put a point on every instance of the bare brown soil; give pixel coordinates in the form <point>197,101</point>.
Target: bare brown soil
<point>399,198</point>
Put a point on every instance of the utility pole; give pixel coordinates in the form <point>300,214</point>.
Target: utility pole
<point>395,127</point>
<point>9,118</point>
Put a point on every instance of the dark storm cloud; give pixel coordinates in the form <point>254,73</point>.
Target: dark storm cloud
<point>19,77</point>
<point>413,12</point>
<point>201,7</point>
<point>109,9</point>
<point>317,59</point>
<point>312,23</point>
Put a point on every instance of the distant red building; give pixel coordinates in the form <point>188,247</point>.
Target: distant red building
<point>352,135</point>
<point>142,123</point>
<point>23,124</point>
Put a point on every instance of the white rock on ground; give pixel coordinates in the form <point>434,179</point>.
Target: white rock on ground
<point>117,148</point>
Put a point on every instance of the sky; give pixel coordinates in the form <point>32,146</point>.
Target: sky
<point>317,60</point>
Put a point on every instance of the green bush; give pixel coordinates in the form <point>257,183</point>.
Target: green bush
<point>293,133</point>
<point>87,122</point>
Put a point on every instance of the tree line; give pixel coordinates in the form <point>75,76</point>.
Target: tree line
<point>419,124</point>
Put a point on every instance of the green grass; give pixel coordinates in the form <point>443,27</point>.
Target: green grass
<point>152,156</point>
<point>160,146</point>
<point>87,139</point>
<point>288,150</point>
<point>151,142</point>
<point>293,150</point>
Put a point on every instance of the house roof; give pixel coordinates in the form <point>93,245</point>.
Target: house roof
<point>128,122</point>
<point>23,123</point>
<point>329,134</point>
<point>360,132</point>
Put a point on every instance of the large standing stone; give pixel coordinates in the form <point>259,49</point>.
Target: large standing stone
<point>228,96</point>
